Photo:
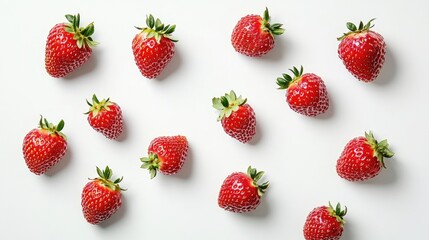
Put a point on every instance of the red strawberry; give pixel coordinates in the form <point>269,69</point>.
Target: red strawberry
<point>153,47</point>
<point>240,192</point>
<point>166,154</point>
<point>362,158</point>
<point>105,117</point>
<point>101,197</point>
<point>362,51</point>
<point>237,117</point>
<point>68,47</point>
<point>43,147</point>
<point>254,36</point>
<point>325,223</point>
<point>306,93</point>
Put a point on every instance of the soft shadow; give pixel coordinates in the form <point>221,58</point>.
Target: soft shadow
<point>348,230</point>
<point>171,67</point>
<point>262,211</point>
<point>257,136</point>
<point>389,69</point>
<point>279,51</point>
<point>124,135</point>
<point>116,216</point>
<point>331,110</point>
<point>61,164</point>
<point>86,68</point>
<point>388,175</point>
<point>185,172</point>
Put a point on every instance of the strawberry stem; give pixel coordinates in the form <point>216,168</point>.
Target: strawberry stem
<point>104,178</point>
<point>354,30</point>
<point>151,163</point>
<point>256,176</point>
<point>81,35</point>
<point>381,149</point>
<point>338,213</point>
<point>286,80</point>
<point>156,29</point>
<point>228,104</point>
<point>51,128</point>
<point>273,29</point>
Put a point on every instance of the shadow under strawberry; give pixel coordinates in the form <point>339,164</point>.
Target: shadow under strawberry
<point>120,214</point>
<point>172,67</point>
<point>387,176</point>
<point>389,69</point>
<point>85,69</point>
<point>63,163</point>
<point>186,171</point>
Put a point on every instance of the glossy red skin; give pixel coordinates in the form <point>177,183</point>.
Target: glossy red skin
<point>62,55</point>
<point>241,124</point>
<point>320,225</point>
<point>363,54</point>
<point>108,122</point>
<point>152,57</point>
<point>357,161</point>
<point>172,152</point>
<point>237,194</point>
<point>99,202</point>
<point>249,39</point>
<point>308,96</point>
<point>43,150</point>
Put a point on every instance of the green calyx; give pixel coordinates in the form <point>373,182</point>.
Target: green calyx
<point>286,80</point>
<point>273,29</point>
<point>81,35</point>
<point>228,104</point>
<point>156,29</point>
<point>256,176</point>
<point>51,128</point>
<point>338,213</point>
<point>381,149</point>
<point>97,106</point>
<point>354,30</point>
<point>151,163</point>
<point>104,178</point>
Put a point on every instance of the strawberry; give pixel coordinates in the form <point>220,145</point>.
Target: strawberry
<point>166,154</point>
<point>306,93</point>
<point>153,47</point>
<point>240,192</point>
<point>254,36</point>
<point>362,51</point>
<point>325,223</point>
<point>362,158</point>
<point>101,197</point>
<point>44,147</point>
<point>105,117</point>
<point>237,117</point>
<point>68,46</point>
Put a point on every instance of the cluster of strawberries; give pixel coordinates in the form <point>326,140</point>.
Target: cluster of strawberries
<point>69,46</point>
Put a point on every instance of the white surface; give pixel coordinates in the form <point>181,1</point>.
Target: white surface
<point>297,153</point>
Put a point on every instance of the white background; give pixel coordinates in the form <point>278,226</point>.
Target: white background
<point>297,153</point>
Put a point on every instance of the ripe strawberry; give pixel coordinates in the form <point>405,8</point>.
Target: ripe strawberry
<point>68,46</point>
<point>325,223</point>
<point>101,197</point>
<point>362,158</point>
<point>105,117</point>
<point>240,192</point>
<point>44,147</point>
<point>153,47</point>
<point>362,51</point>
<point>237,117</point>
<point>254,36</point>
<point>166,154</point>
<point>306,93</point>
